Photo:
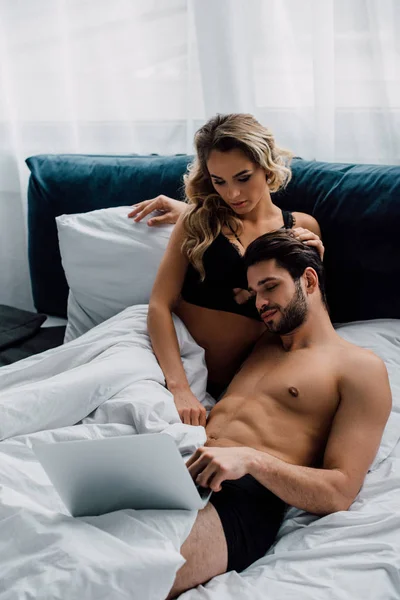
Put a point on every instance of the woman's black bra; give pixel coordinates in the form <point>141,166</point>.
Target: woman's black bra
<point>225,270</point>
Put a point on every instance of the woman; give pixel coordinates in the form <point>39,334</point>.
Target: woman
<point>202,278</point>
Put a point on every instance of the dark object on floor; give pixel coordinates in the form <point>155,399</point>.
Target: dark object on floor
<point>21,334</point>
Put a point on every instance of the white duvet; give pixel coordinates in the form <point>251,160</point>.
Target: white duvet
<point>108,383</point>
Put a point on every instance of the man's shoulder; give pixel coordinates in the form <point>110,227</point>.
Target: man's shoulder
<point>356,355</point>
<point>360,365</point>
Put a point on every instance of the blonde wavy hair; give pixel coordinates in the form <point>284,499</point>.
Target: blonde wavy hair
<point>208,213</point>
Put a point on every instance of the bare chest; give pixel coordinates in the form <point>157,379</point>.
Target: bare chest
<point>298,383</point>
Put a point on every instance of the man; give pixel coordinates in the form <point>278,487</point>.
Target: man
<point>299,425</point>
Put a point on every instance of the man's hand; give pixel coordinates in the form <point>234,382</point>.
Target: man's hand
<point>209,467</point>
<point>171,210</point>
<point>190,410</point>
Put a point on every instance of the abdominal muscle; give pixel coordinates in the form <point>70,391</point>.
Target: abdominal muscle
<point>227,338</point>
<point>259,422</point>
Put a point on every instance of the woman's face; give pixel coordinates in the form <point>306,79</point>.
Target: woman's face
<point>240,182</point>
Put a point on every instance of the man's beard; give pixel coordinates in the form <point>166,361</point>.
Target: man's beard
<point>293,315</point>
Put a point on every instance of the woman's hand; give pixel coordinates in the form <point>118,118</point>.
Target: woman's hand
<point>310,239</point>
<point>171,209</point>
<point>242,296</point>
<point>190,410</point>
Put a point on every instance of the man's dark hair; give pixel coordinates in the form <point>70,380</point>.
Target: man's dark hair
<point>289,253</point>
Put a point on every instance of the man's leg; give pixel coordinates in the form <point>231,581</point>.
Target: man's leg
<point>205,551</point>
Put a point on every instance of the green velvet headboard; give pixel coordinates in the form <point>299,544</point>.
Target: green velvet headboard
<point>357,206</point>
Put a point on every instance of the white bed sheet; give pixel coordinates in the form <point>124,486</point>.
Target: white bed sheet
<point>108,383</point>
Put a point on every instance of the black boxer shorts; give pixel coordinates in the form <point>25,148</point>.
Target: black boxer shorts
<point>251,516</point>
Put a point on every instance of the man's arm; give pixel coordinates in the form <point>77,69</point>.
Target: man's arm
<point>353,442</point>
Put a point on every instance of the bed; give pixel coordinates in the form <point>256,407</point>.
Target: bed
<point>106,382</point>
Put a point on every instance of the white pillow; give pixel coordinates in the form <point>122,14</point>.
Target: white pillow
<point>110,263</point>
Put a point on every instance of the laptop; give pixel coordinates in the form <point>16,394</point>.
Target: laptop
<point>93,477</point>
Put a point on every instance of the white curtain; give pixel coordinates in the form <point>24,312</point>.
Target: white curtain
<point>124,76</point>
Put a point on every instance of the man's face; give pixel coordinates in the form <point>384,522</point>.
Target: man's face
<point>280,300</point>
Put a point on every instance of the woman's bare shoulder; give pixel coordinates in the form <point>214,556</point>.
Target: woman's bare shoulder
<point>307,222</point>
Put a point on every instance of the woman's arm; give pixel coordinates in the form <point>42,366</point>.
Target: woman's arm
<point>307,222</point>
<point>165,294</point>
